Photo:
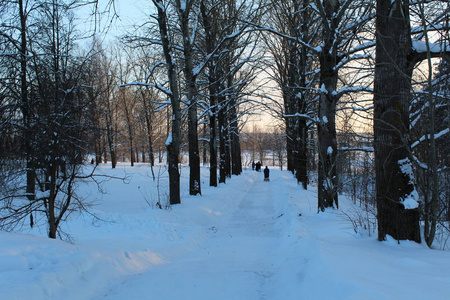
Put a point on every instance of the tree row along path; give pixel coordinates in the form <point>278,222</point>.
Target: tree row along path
<point>237,258</point>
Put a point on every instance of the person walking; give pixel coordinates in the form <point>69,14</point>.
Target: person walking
<point>258,166</point>
<point>266,173</point>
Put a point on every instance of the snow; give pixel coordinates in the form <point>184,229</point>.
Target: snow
<point>411,200</point>
<point>428,136</point>
<point>169,140</point>
<point>182,5</point>
<point>329,150</point>
<point>319,48</point>
<point>196,70</point>
<point>421,46</point>
<point>246,239</point>
<point>323,89</point>
<point>300,116</point>
<point>160,6</point>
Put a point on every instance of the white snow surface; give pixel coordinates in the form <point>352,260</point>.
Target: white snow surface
<point>242,240</point>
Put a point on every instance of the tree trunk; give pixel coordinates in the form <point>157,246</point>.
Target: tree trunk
<point>289,146</point>
<point>326,130</point>
<point>51,200</point>
<point>149,129</point>
<point>111,143</point>
<point>26,104</point>
<point>194,151</point>
<point>212,140</point>
<point>129,121</point>
<point>174,139</point>
<point>235,147</point>
<point>302,99</point>
<point>236,160</point>
<point>302,156</point>
<point>211,41</point>
<point>398,213</point>
<point>222,145</point>
<point>289,108</point>
<point>227,152</point>
<point>431,208</point>
<point>110,131</point>
<point>205,144</point>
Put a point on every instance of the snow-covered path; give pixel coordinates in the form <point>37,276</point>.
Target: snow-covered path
<point>233,261</point>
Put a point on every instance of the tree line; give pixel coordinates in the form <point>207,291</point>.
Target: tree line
<point>190,76</point>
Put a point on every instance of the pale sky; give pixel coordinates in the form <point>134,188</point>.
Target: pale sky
<point>128,13</point>
<point>135,12</point>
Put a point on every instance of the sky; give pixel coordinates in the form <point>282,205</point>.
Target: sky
<point>124,15</point>
<point>117,16</point>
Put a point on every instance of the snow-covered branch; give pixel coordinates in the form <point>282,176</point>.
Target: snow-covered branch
<point>427,137</point>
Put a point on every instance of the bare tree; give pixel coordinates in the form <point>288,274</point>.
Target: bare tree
<point>184,9</point>
<point>57,86</point>
<point>293,20</point>
<point>16,28</point>
<point>340,23</point>
<point>397,56</point>
<point>128,104</point>
<point>174,140</point>
<point>428,113</point>
<point>228,50</point>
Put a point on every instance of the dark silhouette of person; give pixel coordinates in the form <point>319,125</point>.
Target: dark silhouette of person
<point>253,165</point>
<point>258,166</point>
<point>266,173</point>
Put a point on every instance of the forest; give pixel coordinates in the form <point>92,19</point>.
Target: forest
<point>357,93</point>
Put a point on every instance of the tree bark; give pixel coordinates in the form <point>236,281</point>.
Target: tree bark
<point>212,137</point>
<point>326,130</point>
<point>397,216</point>
<point>149,129</point>
<point>130,128</point>
<point>111,136</point>
<point>326,127</point>
<point>194,152</point>
<point>174,140</point>
<point>222,144</point>
<point>26,104</point>
<point>431,208</point>
<point>302,155</point>
<point>211,41</point>
<point>235,146</point>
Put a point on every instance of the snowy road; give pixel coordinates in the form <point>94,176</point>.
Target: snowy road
<point>243,240</point>
<point>234,261</point>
